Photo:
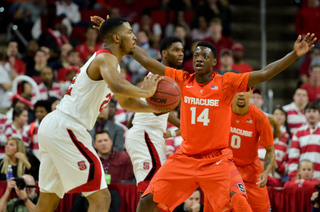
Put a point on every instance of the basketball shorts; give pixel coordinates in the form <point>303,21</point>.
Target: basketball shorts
<point>69,163</point>
<point>147,150</point>
<point>258,198</point>
<point>181,175</point>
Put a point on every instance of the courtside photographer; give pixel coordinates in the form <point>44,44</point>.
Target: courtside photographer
<point>25,189</point>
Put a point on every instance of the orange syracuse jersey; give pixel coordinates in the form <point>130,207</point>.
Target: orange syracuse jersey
<point>247,132</point>
<point>206,109</point>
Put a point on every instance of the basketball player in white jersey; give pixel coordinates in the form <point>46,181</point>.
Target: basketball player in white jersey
<point>69,163</point>
<point>145,143</point>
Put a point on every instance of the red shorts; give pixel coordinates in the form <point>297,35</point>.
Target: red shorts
<point>181,175</point>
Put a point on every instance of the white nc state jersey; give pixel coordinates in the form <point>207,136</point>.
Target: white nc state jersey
<point>85,98</point>
<point>151,120</point>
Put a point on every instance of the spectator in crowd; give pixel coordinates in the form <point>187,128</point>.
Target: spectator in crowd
<point>304,71</point>
<point>15,158</point>
<point>150,26</point>
<point>216,9</point>
<point>192,204</point>
<point>116,164</point>
<point>217,38</point>
<point>91,44</point>
<point>48,87</point>
<point>41,108</point>
<point>18,126</point>
<point>179,20</point>
<point>176,5</point>
<point>62,61</point>
<point>27,14</point>
<point>12,53</point>
<point>69,9</point>
<point>54,101</point>
<point>188,64</point>
<point>295,110</point>
<point>73,63</point>
<point>201,29</point>
<point>27,196</point>
<point>316,205</point>
<point>280,116</point>
<point>225,62</point>
<point>239,64</point>
<point>306,142</point>
<point>256,99</point>
<point>115,132</point>
<point>41,61</point>
<point>304,177</point>
<point>307,18</point>
<point>28,58</point>
<point>5,82</point>
<point>313,85</point>
<point>20,100</point>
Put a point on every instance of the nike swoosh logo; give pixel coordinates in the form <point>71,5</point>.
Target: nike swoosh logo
<point>189,86</point>
<point>219,162</point>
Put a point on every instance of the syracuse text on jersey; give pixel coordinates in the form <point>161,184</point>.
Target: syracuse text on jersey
<point>199,101</point>
<point>241,132</point>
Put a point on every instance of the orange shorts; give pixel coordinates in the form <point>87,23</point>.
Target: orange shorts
<point>258,198</point>
<point>181,175</point>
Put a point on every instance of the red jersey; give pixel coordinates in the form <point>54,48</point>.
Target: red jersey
<point>206,109</point>
<point>247,133</point>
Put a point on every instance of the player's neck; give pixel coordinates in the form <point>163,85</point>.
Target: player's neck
<point>115,50</point>
<point>201,79</point>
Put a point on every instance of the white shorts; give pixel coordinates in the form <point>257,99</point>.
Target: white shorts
<point>147,150</point>
<point>69,162</point>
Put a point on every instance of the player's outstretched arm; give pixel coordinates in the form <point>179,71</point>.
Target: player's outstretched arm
<point>301,47</point>
<point>108,63</point>
<point>269,160</point>
<point>148,62</point>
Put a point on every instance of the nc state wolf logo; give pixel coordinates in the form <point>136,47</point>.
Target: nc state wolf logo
<point>82,165</point>
<point>146,165</point>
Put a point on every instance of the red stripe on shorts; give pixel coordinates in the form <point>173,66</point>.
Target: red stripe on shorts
<point>94,177</point>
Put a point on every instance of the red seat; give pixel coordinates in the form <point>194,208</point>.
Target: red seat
<point>79,33</point>
<point>85,14</point>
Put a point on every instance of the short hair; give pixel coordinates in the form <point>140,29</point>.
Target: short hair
<point>167,42</point>
<point>17,111</point>
<point>311,105</point>
<point>109,26</point>
<point>43,103</point>
<point>101,132</point>
<point>209,45</point>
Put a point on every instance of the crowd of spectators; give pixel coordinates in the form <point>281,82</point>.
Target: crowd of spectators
<point>35,75</point>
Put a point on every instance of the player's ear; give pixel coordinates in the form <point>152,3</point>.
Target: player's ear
<point>116,38</point>
<point>214,62</point>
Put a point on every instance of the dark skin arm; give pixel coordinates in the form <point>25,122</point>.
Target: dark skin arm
<point>269,160</point>
<point>301,47</point>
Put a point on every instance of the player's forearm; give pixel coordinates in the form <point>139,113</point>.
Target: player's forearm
<point>136,105</point>
<point>269,160</point>
<point>173,119</point>
<point>148,62</point>
<point>126,88</point>
<point>271,70</point>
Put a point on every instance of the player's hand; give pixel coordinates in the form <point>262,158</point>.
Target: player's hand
<point>150,84</point>
<point>263,178</point>
<point>195,207</point>
<point>97,21</point>
<point>167,134</point>
<point>302,46</point>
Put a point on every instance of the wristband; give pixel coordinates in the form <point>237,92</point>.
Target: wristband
<point>173,133</point>
<point>25,200</point>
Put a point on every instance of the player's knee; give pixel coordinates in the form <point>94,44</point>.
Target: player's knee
<point>100,197</point>
<point>147,200</point>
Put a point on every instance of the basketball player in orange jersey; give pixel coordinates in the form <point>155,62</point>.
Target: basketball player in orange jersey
<point>250,129</point>
<point>203,158</point>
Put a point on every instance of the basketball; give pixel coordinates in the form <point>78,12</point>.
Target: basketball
<point>167,95</point>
